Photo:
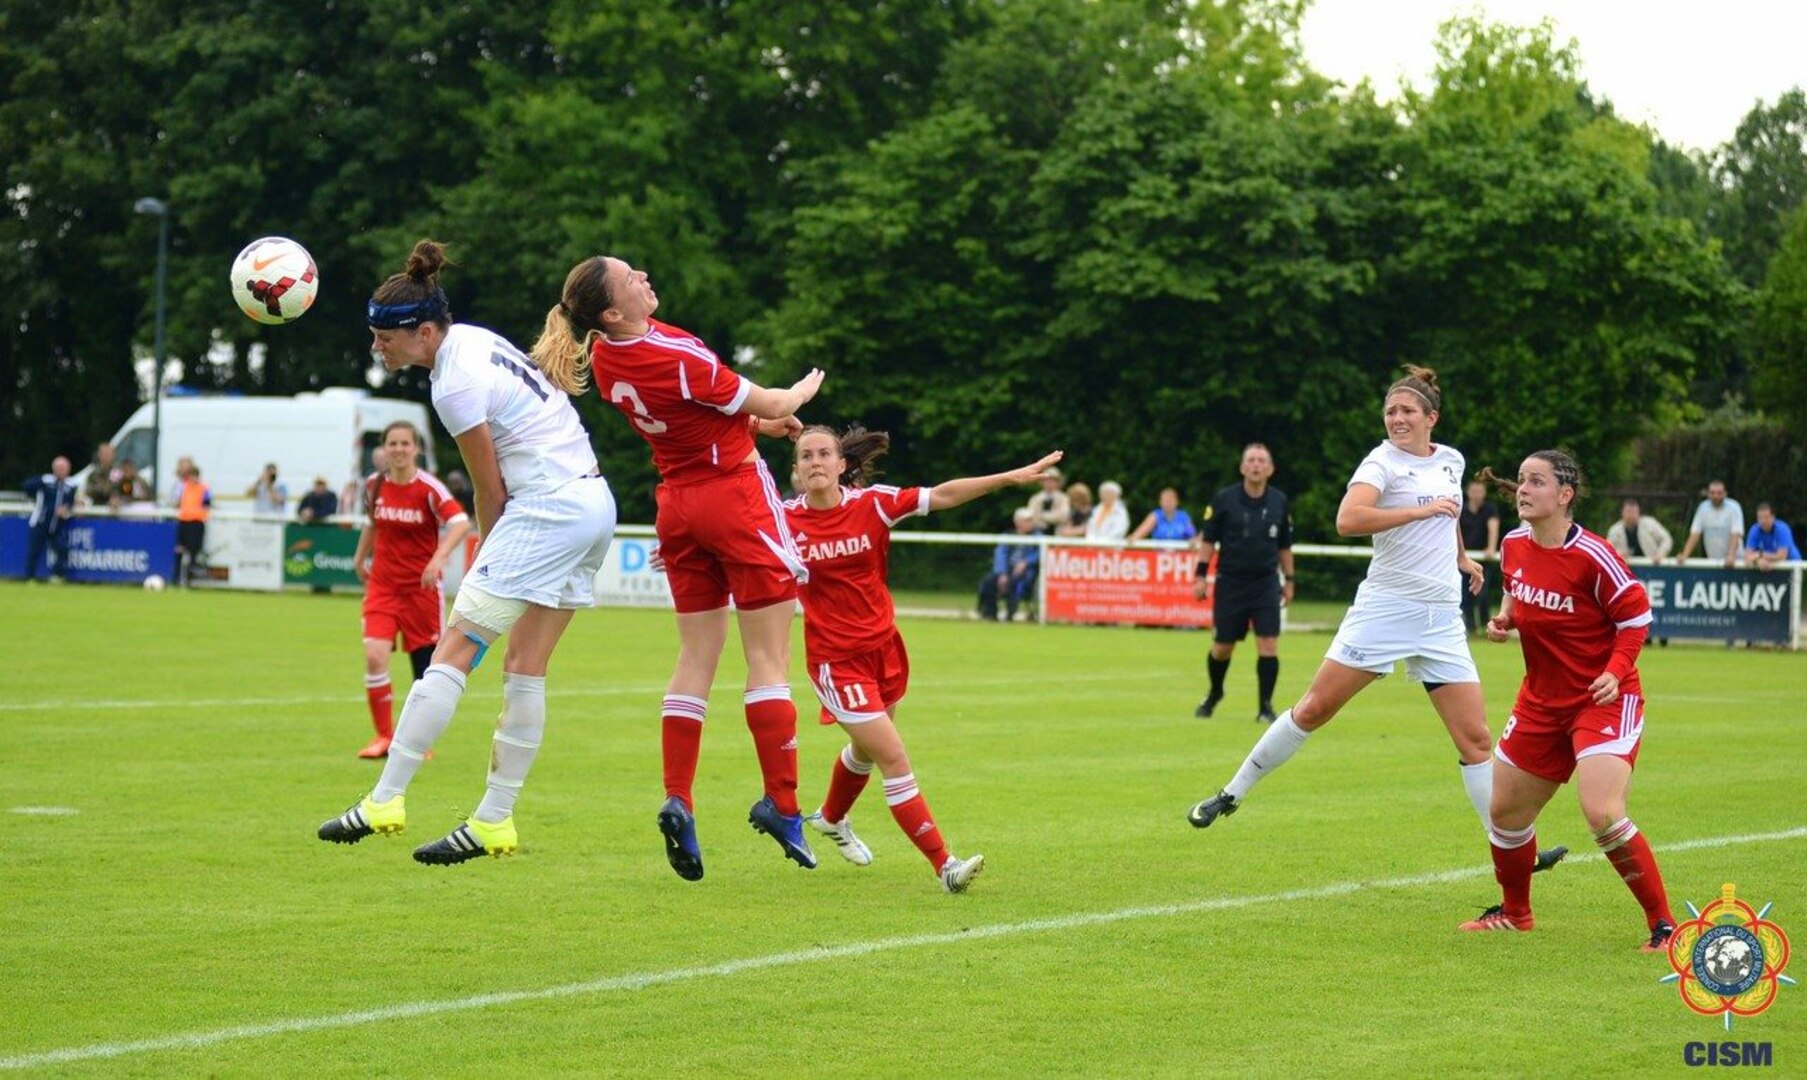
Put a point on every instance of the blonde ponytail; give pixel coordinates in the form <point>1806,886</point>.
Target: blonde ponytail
<point>560,355</point>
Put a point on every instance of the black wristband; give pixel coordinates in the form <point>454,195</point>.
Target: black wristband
<point>1203,567</point>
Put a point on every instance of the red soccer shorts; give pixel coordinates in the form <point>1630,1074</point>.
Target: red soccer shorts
<point>418,615</point>
<point>1550,749</point>
<point>860,689</point>
<point>727,538</point>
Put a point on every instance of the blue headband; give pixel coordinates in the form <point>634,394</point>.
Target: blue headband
<point>404,316</point>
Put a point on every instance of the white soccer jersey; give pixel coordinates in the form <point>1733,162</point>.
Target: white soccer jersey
<point>1415,561</point>
<point>479,377</point>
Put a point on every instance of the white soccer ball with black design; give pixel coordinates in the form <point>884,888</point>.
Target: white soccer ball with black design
<point>274,280</point>
<point>153,582</point>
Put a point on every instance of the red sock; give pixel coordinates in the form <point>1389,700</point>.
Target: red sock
<point>772,718</point>
<point>381,696</point>
<point>844,785</point>
<point>681,741</point>
<point>912,813</point>
<point>1512,868</point>
<point>1631,856</point>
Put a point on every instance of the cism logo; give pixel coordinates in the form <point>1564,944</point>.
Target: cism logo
<point>1727,1053</point>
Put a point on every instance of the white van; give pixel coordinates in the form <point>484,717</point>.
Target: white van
<point>328,433</point>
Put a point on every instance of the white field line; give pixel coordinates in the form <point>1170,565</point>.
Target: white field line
<point>643,980</point>
<point>645,689</point>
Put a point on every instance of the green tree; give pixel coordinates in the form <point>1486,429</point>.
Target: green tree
<point>1764,171</point>
<point>1780,330</point>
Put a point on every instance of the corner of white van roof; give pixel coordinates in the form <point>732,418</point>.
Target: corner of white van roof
<point>336,392</point>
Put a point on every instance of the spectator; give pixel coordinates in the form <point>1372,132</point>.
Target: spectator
<point>97,490</point>
<point>1770,541</point>
<point>1168,522</point>
<point>1050,505</point>
<point>130,487</point>
<point>1637,535</point>
<point>1014,567</point>
<point>353,494</point>
<point>1109,520</point>
<point>194,502</point>
<point>1719,523</point>
<point>460,487</point>
<point>1079,510</point>
<point>269,496</point>
<point>318,504</point>
<point>52,505</point>
<point>1480,525</point>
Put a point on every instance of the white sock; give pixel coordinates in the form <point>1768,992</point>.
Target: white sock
<point>1275,747</point>
<point>429,708</point>
<point>1478,780</point>
<point>518,733</point>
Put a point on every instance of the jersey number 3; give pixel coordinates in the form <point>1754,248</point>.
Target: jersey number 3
<point>623,392</point>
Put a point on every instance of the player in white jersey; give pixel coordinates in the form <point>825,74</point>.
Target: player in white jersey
<point>1407,495</point>
<point>546,517</point>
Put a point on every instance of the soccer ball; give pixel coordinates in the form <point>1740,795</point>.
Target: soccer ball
<point>274,280</point>
<point>154,583</point>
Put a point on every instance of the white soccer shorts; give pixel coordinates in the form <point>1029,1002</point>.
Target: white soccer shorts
<point>547,549</point>
<point>1380,631</point>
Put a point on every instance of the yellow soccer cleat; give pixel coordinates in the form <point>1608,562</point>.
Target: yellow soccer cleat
<point>468,841</point>
<point>365,818</point>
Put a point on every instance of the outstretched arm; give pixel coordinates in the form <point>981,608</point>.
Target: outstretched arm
<point>954,493</point>
<point>770,404</point>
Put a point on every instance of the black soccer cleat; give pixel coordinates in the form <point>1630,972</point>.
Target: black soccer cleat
<point>1207,707</point>
<point>366,818</point>
<point>471,840</point>
<point>1218,805</point>
<point>1549,857</point>
<point>681,849</point>
<point>1266,715</point>
<point>1659,937</point>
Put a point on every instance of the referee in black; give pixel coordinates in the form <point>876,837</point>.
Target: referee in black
<point>1247,525</point>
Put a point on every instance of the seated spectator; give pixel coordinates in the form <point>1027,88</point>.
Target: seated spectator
<point>1638,535</point>
<point>1770,541</point>
<point>130,487</point>
<point>318,504</point>
<point>1049,505</point>
<point>1014,567</point>
<point>1110,518</point>
<point>97,489</point>
<point>1167,522</point>
<point>269,496</point>
<point>1079,511</point>
<point>1719,521</point>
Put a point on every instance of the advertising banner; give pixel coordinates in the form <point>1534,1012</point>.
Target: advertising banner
<point>242,553</point>
<point>100,549</point>
<point>626,580</point>
<point>1143,587</point>
<point>1718,604</point>
<point>319,555</point>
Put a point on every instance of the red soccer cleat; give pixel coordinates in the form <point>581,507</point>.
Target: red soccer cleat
<point>377,748</point>
<point>1495,918</point>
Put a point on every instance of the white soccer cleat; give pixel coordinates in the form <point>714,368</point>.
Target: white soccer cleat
<point>957,874</point>
<point>851,847</point>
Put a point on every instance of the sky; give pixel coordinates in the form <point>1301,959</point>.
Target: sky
<point>1691,70</point>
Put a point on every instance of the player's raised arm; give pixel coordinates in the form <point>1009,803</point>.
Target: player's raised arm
<point>952,493</point>
<point>771,404</point>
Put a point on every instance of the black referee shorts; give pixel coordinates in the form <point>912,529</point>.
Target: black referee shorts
<point>1239,602</point>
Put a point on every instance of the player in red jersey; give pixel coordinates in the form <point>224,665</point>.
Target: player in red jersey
<point>400,555</point>
<point>721,530</point>
<point>856,657</point>
<point>1581,619</point>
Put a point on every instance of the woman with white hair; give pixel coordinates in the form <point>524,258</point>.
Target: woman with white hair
<point>1110,518</point>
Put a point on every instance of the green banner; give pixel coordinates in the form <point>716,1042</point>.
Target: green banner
<point>319,555</point>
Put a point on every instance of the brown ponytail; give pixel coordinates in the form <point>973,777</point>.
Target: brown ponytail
<point>859,448</point>
<point>1563,464</point>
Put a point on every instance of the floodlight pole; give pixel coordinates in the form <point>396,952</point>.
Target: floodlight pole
<point>161,209</point>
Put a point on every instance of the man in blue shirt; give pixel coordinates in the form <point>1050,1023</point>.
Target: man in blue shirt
<point>1769,541</point>
<point>1013,571</point>
<point>52,498</point>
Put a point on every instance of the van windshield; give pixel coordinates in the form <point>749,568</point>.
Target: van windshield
<point>136,448</point>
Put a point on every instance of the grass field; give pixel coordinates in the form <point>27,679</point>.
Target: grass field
<point>182,920</point>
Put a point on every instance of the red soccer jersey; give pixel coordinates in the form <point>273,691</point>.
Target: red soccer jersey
<point>1579,612</point>
<point>846,604</point>
<point>406,518</point>
<point>681,399</point>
